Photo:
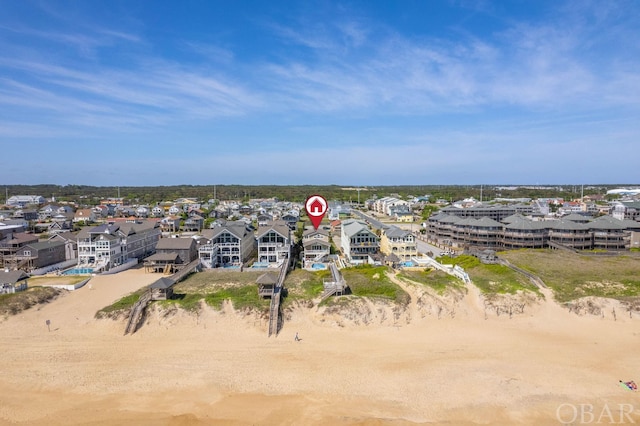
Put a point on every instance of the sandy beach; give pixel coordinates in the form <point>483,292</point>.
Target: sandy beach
<point>545,366</point>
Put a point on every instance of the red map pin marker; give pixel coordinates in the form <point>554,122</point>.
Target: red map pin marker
<point>316,207</point>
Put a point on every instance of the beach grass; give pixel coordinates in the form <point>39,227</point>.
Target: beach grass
<point>575,275</point>
<point>439,281</point>
<point>373,282</point>
<point>491,278</point>
<point>14,303</point>
<point>122,304</point>
<point>302,284</point>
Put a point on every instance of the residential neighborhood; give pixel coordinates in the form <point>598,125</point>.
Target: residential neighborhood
<point>39,235</point>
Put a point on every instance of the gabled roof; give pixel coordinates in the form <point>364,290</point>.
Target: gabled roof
<point>310,232</point>
<point>45,245</point>
<point>163,283</point>
<point>279,228</point>
<point>175,244</point>
<point>22,238</point>
<point>352,227</point>
<point>66,236</point>
<point>395,232</point>
<point>268,278</point>
<point>319,242</point>
<point>237,229</point>
<point>163,257</point>
<point>12,277</point>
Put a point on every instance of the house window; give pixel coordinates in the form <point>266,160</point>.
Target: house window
<point>27,252</point>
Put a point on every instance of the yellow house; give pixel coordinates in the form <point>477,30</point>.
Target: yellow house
<point>400,242</point>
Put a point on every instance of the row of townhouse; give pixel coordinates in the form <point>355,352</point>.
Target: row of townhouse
<point>112,244</point>
<point>516,231</point>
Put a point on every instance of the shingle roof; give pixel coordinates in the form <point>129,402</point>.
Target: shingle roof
<point>163,283</point>
<point>175,243</point>
<point>267,278</point>
<point>12,277</point>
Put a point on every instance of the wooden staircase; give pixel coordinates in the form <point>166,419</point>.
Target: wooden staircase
<point>137,312</point>
<point>274,308</point>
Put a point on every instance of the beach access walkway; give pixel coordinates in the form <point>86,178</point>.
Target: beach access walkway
<point>275,319</point>
<point>337,285</point>
<point>138,309</point>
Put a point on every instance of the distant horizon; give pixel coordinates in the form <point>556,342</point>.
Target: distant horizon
<point>115,93</point>
<point>342,186</point>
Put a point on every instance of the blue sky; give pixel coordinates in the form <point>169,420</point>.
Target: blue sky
<point>351,93</point>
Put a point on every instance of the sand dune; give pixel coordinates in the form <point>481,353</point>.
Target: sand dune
<point>221,368</point>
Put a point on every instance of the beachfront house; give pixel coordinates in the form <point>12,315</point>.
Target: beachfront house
<point>11,243</point>
<point>109,245</point>
<point>171,254</point>
<point>274,243</point>
<point>316,245</point>
<point>228,244</point>
<point>37,255</point>
<point>70,243</point>
<point>400,242</point>
<point>358,241</point>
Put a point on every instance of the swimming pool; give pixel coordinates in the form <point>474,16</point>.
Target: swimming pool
<point>78,271</point>
<point>408,264</point>
<point>260,265</point>
<point>318,266</point>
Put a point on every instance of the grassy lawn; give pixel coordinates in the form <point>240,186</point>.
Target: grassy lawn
<point>62,279</point>
<point>573,275</point>
<point>491,279</point>
<point>11,304</point>
<point>438,280</point>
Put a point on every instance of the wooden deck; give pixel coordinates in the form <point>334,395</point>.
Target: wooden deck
<point>337,286</point>
<point>274,309</point>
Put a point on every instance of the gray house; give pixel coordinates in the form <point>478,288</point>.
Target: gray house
<point>38,255</point>
<point>171,254</point>
<point>12,281</point>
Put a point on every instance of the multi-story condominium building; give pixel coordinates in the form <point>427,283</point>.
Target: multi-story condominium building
<point>400,242</point>
<point>575,231</point>
<point>316,245</point>
<point>520,232</point>
<point>358,242</point>
<point>228,244</point>
<point>274,243</point>
<point>109,245</point>
<point>570,233</point>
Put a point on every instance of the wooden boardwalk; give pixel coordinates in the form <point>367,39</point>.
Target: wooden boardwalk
<point>137,312</point>
<point>274,308</point>
<point>337,286</point>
